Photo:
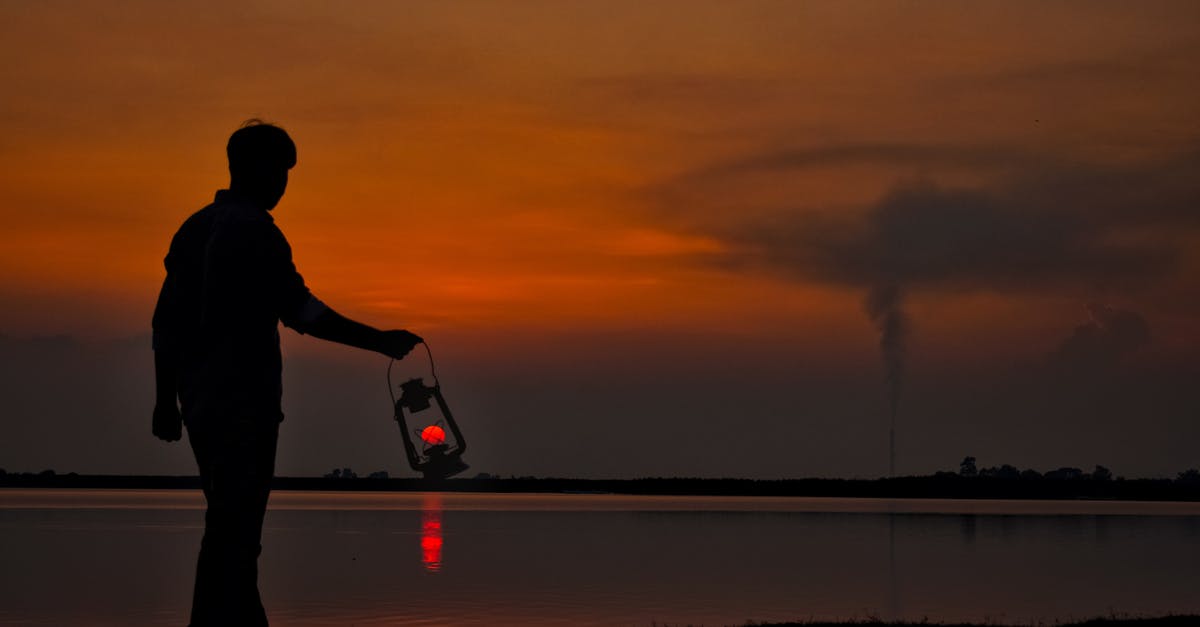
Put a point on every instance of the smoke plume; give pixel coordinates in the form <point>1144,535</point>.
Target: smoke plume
<point>885,306</point>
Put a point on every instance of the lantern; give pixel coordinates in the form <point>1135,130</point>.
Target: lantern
<point>437,451</point>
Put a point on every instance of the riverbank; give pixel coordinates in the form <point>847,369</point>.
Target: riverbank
<point>939,486</point>
<point>1162,621</point>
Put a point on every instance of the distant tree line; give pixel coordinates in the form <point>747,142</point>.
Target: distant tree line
<point>347,473</point>
<point>968,468</point>
<point>45,474</point>
<point>969,482</point>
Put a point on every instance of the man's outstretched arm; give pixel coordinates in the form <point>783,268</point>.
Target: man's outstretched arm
<point>300,310</point>
<point>331,326</point>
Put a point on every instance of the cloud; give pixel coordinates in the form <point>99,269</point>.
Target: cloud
<point>861,153</point>
<point>1169,61</point>
<point>921,234</point>
<point>1044,227</point>
<point>693,89</point>
<point>1059,228</point>
<point>1109,335</point>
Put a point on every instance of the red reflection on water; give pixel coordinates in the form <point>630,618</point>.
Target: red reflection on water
<point>431,533</point>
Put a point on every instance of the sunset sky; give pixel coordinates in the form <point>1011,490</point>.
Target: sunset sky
<point>639,236</point>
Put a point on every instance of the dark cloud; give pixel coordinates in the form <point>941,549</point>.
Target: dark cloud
<point>1168,61</point>
<point>674,88</point>
<point>1039,226</point>
<point>924,235</point>
<point>1109,335</point>
<point>1069,72</point>
<point>859,153</point>
<point>1089,226</point>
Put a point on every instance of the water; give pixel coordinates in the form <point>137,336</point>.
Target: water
<point>126,558</point>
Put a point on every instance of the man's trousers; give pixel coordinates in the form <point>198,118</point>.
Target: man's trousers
<point>236,459</point>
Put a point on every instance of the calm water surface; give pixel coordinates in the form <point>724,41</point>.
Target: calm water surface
<point>126,557</point>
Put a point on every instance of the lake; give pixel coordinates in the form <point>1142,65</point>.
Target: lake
<point>99,557</point>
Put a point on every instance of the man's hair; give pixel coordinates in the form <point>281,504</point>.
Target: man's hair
<point>257,144</point>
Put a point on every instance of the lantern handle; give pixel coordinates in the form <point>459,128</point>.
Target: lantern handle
<point>432,366</point>
<point>432,372</point>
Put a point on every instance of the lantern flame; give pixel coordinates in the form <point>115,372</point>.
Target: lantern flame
<point>433,435</point>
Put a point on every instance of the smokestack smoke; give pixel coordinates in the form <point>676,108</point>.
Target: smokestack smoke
<point>885,306</point>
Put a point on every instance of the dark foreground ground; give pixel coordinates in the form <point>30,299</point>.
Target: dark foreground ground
<point>1166,621</point>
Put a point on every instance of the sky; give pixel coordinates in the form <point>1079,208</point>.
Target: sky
<point>703,239</point>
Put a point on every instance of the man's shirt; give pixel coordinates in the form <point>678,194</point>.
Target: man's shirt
<point>230,281</point>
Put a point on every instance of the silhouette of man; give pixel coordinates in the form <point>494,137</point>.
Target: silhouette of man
<point>230,282</point>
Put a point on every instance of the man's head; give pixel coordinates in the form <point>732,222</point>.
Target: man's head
<point>260,156</point>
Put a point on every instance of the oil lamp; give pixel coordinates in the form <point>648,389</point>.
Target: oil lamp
<point>437,452</point>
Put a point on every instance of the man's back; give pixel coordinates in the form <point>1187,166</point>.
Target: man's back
<point>230,280</point>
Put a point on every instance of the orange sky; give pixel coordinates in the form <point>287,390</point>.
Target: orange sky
<point>479,166</point>
<point>662,212</point>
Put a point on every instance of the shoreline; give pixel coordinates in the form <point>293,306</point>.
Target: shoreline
<point>941,486</point>
<point>1171,620</point>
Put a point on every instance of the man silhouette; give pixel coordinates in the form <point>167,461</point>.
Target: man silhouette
<point>230,282</point>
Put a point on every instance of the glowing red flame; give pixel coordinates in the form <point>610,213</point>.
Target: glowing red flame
<point>433,435</point>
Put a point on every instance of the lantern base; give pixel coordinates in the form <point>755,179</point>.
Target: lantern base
<point>443,466</point>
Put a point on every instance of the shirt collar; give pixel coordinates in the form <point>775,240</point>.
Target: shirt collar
<point>228,196</point>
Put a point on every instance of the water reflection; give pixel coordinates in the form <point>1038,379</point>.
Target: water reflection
<point>966,527</point>
<point>431,532</point>
<point>601,560</point>
<point>894,590</point>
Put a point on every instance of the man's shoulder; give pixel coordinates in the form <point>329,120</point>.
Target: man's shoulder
<point>197,225</point>
<point>231,208</point>
<point>224,218</point>
<point>231,214</point>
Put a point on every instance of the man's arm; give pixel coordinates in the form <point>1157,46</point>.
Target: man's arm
<point>300,310</point>
<point>168,425</point>
<point>331,326</point>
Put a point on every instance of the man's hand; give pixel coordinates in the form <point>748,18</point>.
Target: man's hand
<point>168,425</point>
<point>398,343</point>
